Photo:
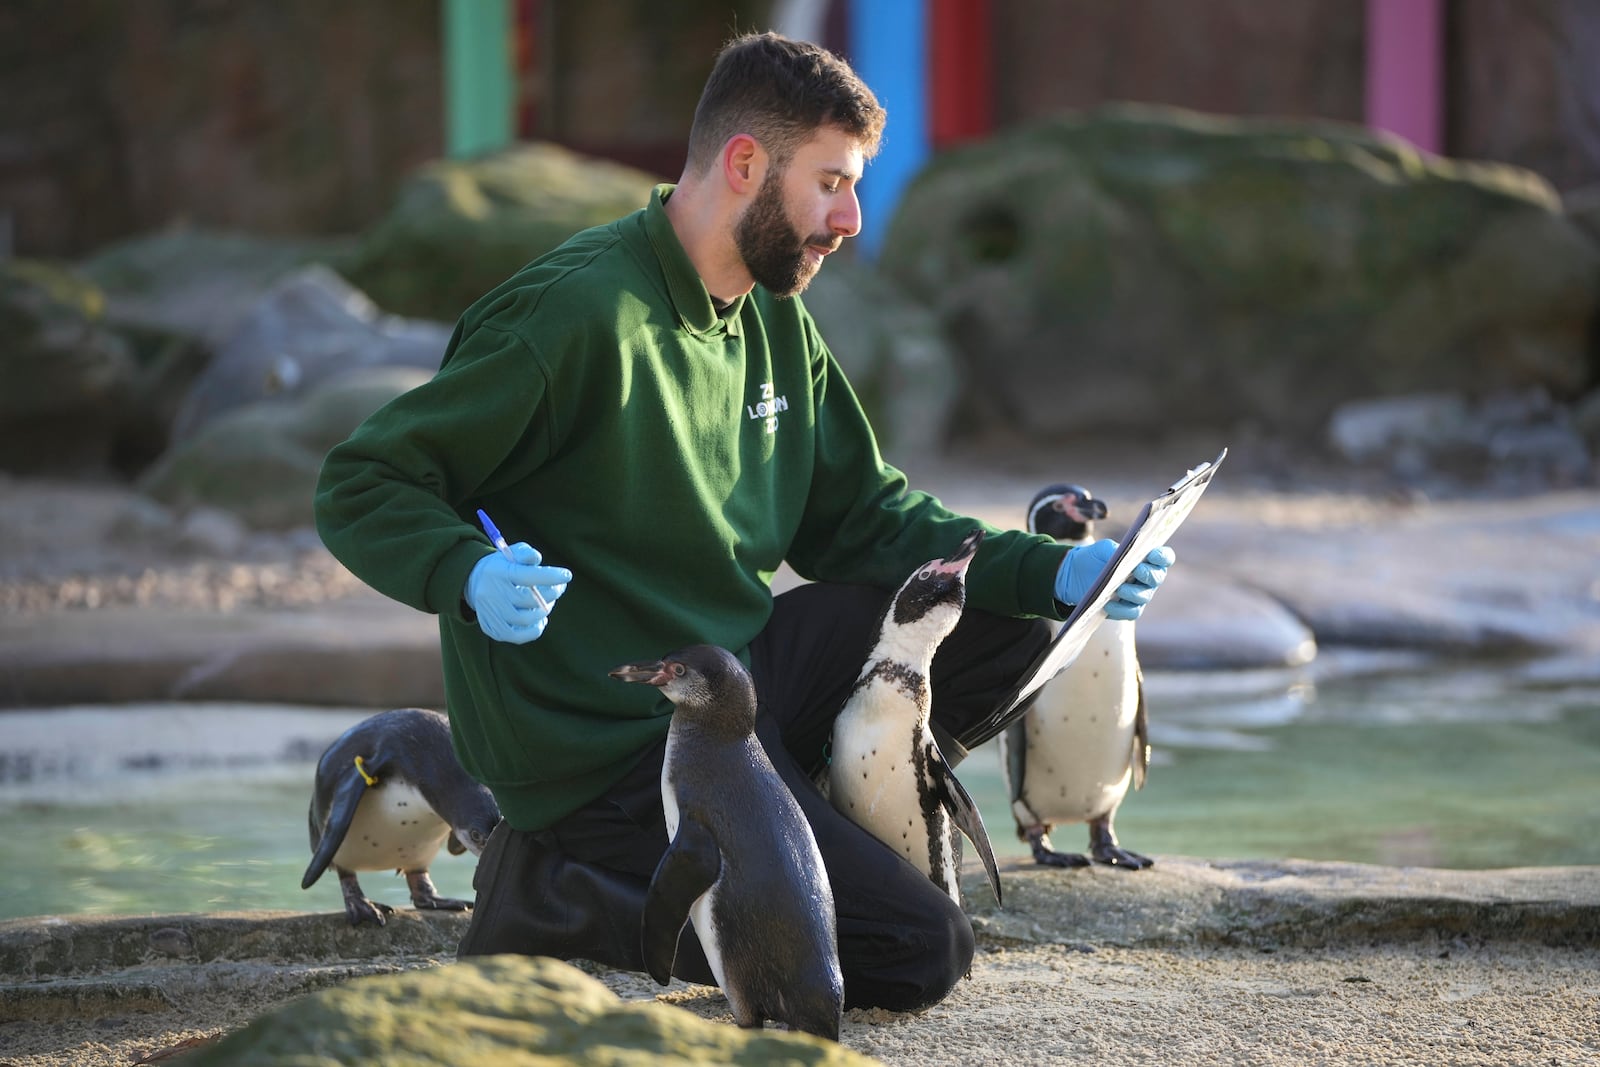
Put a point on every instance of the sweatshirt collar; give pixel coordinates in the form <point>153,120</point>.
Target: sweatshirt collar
<point>688,293</point>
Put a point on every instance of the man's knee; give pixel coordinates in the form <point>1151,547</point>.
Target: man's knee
<point>912,965</point>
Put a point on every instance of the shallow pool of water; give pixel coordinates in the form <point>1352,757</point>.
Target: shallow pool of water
<point>180,808</point>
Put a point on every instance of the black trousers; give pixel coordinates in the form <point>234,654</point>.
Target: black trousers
<point>577,889</point>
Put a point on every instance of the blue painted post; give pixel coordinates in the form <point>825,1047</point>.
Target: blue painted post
<point>888,48</point>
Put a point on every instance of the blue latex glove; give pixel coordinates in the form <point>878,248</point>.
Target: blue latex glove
<point>1084,564</point>
<point>501,592</point>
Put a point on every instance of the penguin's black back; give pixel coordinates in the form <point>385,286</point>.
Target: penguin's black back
<point>411,745</point>
<point>773,904</point>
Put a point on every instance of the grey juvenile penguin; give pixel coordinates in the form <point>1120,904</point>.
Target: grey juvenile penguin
<point>885,769</point>
<point>388,793</point>
<point>1072,755</point>
<point>743,864</point>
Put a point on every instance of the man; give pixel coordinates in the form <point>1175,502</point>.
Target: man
<point>652,408</point>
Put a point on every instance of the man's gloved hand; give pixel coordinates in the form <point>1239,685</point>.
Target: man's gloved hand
<point>501,592</point>
<point>1084,564</point>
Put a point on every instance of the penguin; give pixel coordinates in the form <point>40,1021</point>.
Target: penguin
<point>388,793</point>
<point>742,863</point>
<point>1072,755</point>
<point>885,769</point>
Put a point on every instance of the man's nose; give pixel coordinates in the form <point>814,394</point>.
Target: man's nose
<point>845,219</point>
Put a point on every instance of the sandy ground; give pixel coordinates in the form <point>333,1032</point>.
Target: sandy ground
<point>1419,1004</point>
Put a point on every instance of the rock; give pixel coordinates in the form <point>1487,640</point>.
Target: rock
<point>500,1011</point>
<point>260,461</point>
<point>460,227</point>
<point>309,328</point>
<point>196,283</point>
<point>1515,440</point>
<point>1203,621</point>
<point>899,364</point>
<point>68,379</point>
<point>1139,266</point>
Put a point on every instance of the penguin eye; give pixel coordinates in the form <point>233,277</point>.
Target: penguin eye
<point>677,670</point>
<point>924,574</point>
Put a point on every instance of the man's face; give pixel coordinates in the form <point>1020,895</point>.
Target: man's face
<point>813,196</point>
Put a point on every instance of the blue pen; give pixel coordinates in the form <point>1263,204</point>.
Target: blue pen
<point>505,550</point>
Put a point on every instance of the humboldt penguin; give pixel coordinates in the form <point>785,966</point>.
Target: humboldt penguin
<point>1072,755</point>
<point>388,793</point>
<point>885,769</point>
<point>742,863</point>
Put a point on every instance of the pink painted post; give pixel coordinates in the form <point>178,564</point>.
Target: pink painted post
<point>1405,70</point>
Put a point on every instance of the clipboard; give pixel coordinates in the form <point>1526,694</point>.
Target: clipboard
<point>1151,528</point>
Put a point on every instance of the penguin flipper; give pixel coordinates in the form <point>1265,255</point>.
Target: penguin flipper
<point>1141,735</point>
<point>341,810</point>
<point>690,865</point>
<point>964,813</point>
<point>1014,743</point>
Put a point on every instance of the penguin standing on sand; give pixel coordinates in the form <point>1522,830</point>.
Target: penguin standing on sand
<point>1072,755</point>
<point>885,769</point>
<point>743,864</point>
<point>388,793</point>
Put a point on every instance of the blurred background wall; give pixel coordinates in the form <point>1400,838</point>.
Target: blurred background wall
<point>302,117</point>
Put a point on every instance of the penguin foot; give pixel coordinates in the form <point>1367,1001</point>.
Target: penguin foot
<point>359,909</point>
<point>1112,856</point>
<point>441,904</point>
<point>424,897</point>
<point>1047,856</point>
<point>1104,848</point>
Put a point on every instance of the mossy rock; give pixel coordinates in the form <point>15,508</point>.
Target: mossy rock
<point>500,1011</point>
<point>461,227</point>
<point>261,461</point>
<point>1138,267</point>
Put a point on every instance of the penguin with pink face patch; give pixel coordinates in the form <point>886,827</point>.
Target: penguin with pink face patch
<point>885,770</point>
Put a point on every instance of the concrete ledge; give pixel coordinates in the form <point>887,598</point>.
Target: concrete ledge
<point>1179,902</point>
<point>1302,903</point>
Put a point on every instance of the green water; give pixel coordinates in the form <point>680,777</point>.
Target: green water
<point>1455,770</point>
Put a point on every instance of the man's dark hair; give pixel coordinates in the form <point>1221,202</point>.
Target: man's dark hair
<point>781,92</point>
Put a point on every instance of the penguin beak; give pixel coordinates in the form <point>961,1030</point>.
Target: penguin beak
<point>1081,509</point>
<point>648,673</point>
<point>956,563</point>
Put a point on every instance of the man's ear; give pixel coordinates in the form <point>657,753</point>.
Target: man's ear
<point>744,164</point>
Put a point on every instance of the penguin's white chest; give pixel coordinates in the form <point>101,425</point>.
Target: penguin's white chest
<point>394,829</point>
<point>1079,734</point>
<point>874,777</point>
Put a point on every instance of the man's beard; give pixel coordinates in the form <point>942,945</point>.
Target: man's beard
<point>772,249</point>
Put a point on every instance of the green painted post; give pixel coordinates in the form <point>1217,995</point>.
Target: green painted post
<point>478,96</point>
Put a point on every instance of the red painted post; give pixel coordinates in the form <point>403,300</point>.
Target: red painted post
<point>960,71</point>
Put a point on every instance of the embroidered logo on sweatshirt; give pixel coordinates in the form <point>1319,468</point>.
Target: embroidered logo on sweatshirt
<point>768,407</point>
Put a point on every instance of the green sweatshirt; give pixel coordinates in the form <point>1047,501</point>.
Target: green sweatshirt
<point>599,407</point>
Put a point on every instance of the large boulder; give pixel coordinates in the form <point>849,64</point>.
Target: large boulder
<point>260,461</point>
<point>197,283</point>
<point>501,1011</point>
<point>310,327</point>
<point>1139,266</point>
<point>898,361</point>
<point>461,227</point>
